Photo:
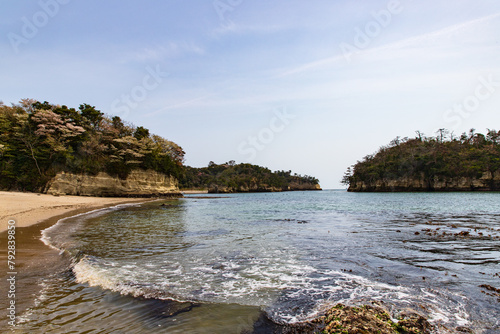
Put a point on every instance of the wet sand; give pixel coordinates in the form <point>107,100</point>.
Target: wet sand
<point>31,208</point>
<point>35,261</point>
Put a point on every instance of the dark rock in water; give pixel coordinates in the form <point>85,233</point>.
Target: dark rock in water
<point>489,287</point>
<point>159,310</point>
<point>412,322</point>
<point>166,206</point>
<point>494,292</point>
<point>218,266</point>
<point>300,328</point>
<point>264,325</point>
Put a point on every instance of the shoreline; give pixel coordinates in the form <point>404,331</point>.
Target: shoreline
<point>29,209</point>
<point>35,260</point>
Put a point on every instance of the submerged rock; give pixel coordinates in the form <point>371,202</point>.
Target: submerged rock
<point>494,292</point>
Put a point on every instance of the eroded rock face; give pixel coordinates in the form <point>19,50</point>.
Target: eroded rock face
<point>488,182</point>
<point>139,183</point>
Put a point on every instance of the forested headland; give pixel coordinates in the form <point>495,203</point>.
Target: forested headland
<point>38,140</point>
<point>41,140</point>
<point>445,162</point>
<point>230,177</point>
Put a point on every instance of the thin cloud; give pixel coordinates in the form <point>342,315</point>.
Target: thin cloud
<point>231,28</point>
<point>180,104</point>
<point>437,35</point>
<point>405,43</point>
<point>161,52</point>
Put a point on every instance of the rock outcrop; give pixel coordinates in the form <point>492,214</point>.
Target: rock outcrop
<point>488,182</point>
<point>255,188</point>
<point>374,318</point>
<point>139,183</point>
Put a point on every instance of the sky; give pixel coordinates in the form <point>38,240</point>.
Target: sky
<point>309,86</point>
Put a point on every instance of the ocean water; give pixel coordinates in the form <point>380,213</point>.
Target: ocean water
<point>243,262</point>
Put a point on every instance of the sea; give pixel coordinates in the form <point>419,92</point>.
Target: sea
<point>250,263</point>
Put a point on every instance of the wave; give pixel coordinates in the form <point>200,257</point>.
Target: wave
<point>297,300</point>
<point>86,272</point>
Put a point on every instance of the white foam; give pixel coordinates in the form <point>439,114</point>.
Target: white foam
<point>95,276</point>
<point>262,285</point>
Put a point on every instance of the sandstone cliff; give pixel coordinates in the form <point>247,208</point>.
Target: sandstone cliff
<point>139,183</point>
<point>488,182</point>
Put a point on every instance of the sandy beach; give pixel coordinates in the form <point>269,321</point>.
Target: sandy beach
<point>34,260</point>
<point>31,208</point>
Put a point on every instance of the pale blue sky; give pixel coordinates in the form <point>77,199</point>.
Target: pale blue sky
<point>275,83</point>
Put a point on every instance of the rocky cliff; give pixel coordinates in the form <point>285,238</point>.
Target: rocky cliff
<point>217,189</point>
<point>139,183</point>
<point>488,182</point>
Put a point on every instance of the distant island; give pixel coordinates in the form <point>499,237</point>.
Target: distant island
<point>58,150</point>
<point>233,178</point>
<point>470,162</point>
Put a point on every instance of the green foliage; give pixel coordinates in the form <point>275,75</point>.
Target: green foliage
<point>471,155</point>
<point>242,177</point>
<point>141,133</point>
<point>37,140</point>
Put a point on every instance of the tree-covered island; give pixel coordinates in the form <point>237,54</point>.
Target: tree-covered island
<point>445,162</point>
<point>231,178</point>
